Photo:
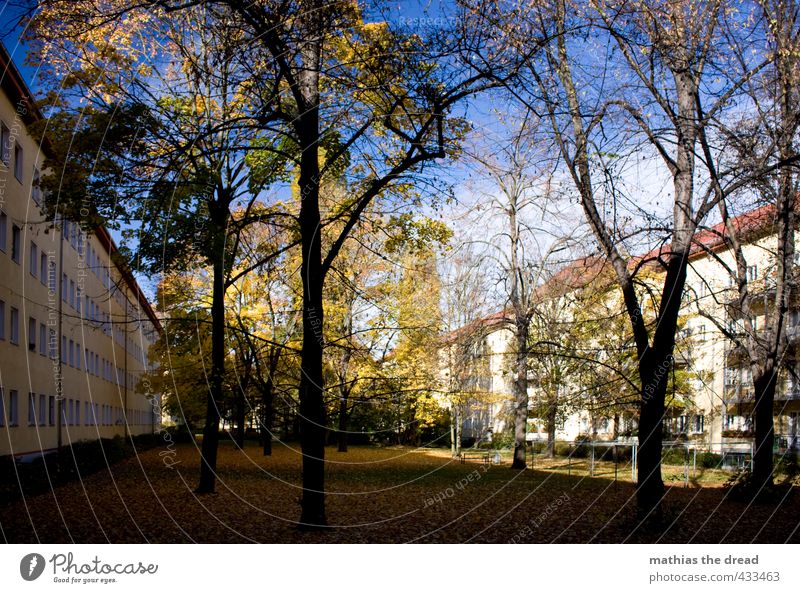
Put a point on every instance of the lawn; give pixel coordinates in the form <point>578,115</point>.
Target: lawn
<point>380,495</point>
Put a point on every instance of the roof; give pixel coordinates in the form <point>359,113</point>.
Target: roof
<point>748,226</point>
<point>14,86</point>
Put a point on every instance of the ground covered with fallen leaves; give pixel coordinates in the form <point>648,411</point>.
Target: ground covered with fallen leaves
<point>379,495</point>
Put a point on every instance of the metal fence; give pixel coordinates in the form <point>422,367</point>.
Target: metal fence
<point>682,461</point>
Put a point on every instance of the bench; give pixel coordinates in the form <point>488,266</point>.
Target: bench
<point>485,456</point>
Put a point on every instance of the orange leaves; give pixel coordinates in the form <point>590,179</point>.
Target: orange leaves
<point>374,495</point>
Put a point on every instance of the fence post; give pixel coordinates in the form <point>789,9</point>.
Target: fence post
<point>616,459</point>
<point>694,463</point>
<point>633,462</point>
<point>591,467</point>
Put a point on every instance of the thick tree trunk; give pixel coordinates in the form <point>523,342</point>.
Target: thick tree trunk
<point>313,428</point>
<point>764,428</point>
<point>208,452</point>
<point>655,367</point>
<point>520,397</point>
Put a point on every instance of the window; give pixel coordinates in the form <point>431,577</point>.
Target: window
<point>72,293</point>
<point>699,423</point>
<point>64,286</point>
<point>5,144</point>
<point>752,273</point>
<point>16,245</point>
<point>51,410</point>
<point>18,162</point>
<point>64,349</point>
<point>42,339</point>
<point>76,417</point>
<point>13,408</point>
<point>53,344</point>
<point>42,409</point>
<point>31,409</point>
<point>43,273</point>
<point>3,231</point>
<point>2,408</point>
<point>2,320</point>
<point>703,289</point>
<point>31,334</point>
<point>78,299</point>
<point>14,323</point>
<point>71,354</point>
<point>68,414</point>
<point>36,192</point>
<point>34,262</point>
<point>78,355</point>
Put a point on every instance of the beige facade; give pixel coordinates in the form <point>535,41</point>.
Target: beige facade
<point>74,328</point>
<point>721,384</point>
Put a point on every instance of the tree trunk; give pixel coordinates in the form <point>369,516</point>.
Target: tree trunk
<point>240,417</point>
<point>655,367</point>
<point>343,418</point>
<point>208,452</point>
<point>521,397</point>
<point>267,416</point>
<point>764,428</point>
<point>551,428</point>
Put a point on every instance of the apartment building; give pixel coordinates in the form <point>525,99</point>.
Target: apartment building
<point>716,403</point>
<point>75,327</point>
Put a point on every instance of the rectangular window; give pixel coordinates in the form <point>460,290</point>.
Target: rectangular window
<point>42,409</point>
<point>18,162</point>
<point>36,192</point>
<point>13,408</point>
<point>699,423</point>
<point>43,273</point>
<point>5,144</point>
<point>72,293</point>
<point>31,334</point>
<point>78,299</point>
<point>78,355</point>
<point>51,411</point>
<point>34,263</point>
<point>64,287</point>
<point>16,243</point>
<point>14,326</point>
<point>64,349</point>
<point>71,354</point>
<point>76,418</point>
<point>31,409</point>
<point>68,412</point>
<point>3,231</point>
<point>752,273</point>
<point>42,339</point>
<point>53,344</point>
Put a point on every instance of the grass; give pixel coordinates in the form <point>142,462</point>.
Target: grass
<point>392,494</point>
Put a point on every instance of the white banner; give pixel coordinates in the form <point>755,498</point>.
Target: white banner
<point>400,569</point>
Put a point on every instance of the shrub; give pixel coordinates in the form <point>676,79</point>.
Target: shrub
<point>709,460</point>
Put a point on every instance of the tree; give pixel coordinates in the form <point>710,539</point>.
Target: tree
<point>531,234</point>
<point>659,57</point>
<point>175,122</point>
<point>758,154</point>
